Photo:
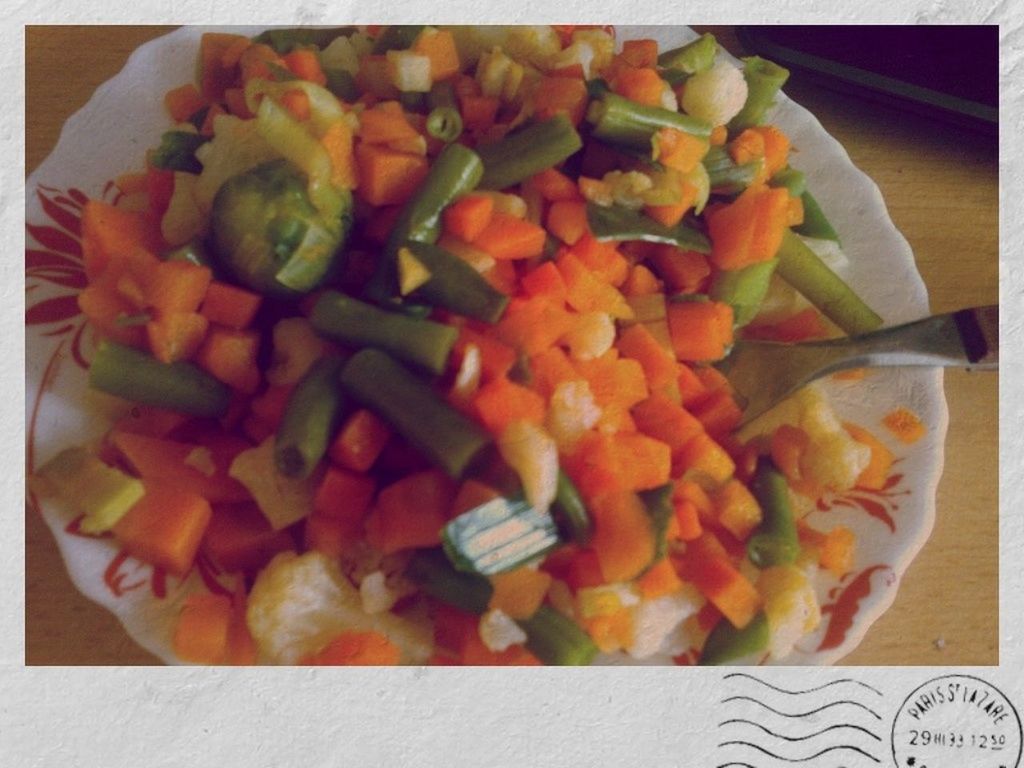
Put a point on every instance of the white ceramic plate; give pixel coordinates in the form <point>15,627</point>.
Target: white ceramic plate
<point>125,116</point>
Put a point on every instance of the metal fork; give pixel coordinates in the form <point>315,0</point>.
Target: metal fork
<point>764,372</point>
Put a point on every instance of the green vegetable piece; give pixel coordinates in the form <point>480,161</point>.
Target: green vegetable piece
<point>775,541</point>
<point>556,639</point>
<point>618,223</point>
<point>743,289</point>
<point>618,120</point>
<point>444,123</point>
<point>456,170</point>
<point>528,151</point>
<point>726,643</point>
<point>177,152</point>
<point>102,493</point>
<point>815,223</point>
<point>446,437</point>
<point>764,80</point>
<point>287,40</point>
<point>793,180</point>
<point>341,83</point>
<point>134,375</point>
<point>498,536</point>
<point>658,504</point>
<point>397,37</point>
<point>456,286</point>
<point>807,273</point>
<point>194,252</point>
<point>465,591</point>
<point>270,236</point>
<point>309,421</point>
<point>550,636</point>
<point>570,511</point>
<point>693,57</point>
<point>422,342</point>
<point>725,177</point>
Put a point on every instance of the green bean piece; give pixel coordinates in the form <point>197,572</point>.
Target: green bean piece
<point>466,591</point>
<point>658,504</point>
<point>807,273</point>
<point>528,151</point>
<point>134,375</point>
<point>553,638</point>
<point>793,180</point>
<point>618,120</point>
<point>442,94</point>
<point>287,40</point>
<point>397,37</point>
<point>444,436</point>
<point>310,418</point>
<point>674,77</point>
<point>444,123</point>
<point>177,152</point>
<point>422,342</point>
<point>726,643</point>
<point>693,57</point>
<point>775,541</point>
<point>764,80</point>
<point>815,223</point>
<point>743,289</point>
<point>557,640</point>
<point>341,83</point>
<point>725,177</point>
<point>194,252</point>
<point>618,223</point>
<point>570,511</point>
<point>456,170</point>
<point>456,286</point>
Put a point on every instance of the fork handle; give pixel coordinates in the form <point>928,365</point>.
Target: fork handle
<point>966,338</point>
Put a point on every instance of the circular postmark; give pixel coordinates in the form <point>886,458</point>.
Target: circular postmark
<point>957,721</point>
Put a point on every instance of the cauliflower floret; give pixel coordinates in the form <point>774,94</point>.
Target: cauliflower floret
<point>296,347</point>
<point>236,147</point>
<point>374,593</point>
<point>301,602</point>
<point>572,412</point>
<point>715,95</point>
<point>533,454</point>
<point>183,220</point>
<point>789,605</point>
<point>655,622</point>
<point>602,48</point>
<point>498,631</point>
<point>591,336</point>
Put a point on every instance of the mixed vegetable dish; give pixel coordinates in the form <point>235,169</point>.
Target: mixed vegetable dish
<point>417,328</point>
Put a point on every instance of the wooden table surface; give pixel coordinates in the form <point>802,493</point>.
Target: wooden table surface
<point>941,187</point>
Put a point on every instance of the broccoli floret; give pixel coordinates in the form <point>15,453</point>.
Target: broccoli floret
<point>270,236</point>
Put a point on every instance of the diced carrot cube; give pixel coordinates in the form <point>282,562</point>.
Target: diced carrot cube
<point>701,330</point>
<point>508,237</point>
<point>165,527</point>
<point>387,177</point>
<point>567,220</point>
<point>411,512</point>
<point>183,102</point>
<point>201,632</point>
<point>360,441</point>
<point>684,271</point>
<point>661,579</point>
<point>644,462</point>
<point>623,537</point>
<point>239,538</point>
<point>468,216</point>
<point>439,47</point>
<point>228,305</point>
<point>603,259</point>
<point>554,185</point>
<point>545,281</point>
<point>567,95</point>
<point>176,336</point>
<point>501,402</point>
<point>520,592</point>
<point>664,420</point>
<point>640,84</point>
<point>640,53</point>
<point>230,356</point>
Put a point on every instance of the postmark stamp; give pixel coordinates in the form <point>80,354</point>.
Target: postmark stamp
<point>956,721</point>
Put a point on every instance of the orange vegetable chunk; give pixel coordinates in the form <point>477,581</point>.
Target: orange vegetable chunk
<point>165,527</point>
<point>411,512</point>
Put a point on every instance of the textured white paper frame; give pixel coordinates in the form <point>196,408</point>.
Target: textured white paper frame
<point>260,718</point>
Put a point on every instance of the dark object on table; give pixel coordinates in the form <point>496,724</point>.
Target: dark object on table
<point>946,72</point>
